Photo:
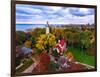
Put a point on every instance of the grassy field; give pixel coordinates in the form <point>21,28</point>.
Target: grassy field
<point>82,57</point>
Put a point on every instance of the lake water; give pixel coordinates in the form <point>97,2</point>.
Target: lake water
<point>23,27</point>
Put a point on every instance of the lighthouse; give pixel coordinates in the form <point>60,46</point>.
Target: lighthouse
<point>47,27</point>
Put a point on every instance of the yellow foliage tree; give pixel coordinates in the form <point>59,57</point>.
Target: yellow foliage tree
<point>45,41</point>
<point>28,43</point>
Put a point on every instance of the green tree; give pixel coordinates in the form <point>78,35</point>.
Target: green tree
<point>20,37</point>
<point>36,32</point>
<point>84,39</point>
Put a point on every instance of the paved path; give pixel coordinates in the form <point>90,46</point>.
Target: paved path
<point>88,66</point>
<point>29,69</point>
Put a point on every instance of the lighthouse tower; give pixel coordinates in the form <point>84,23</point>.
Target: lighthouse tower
<point>47,27</point>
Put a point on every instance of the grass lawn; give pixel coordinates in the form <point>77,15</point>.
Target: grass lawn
<point>82,57</point>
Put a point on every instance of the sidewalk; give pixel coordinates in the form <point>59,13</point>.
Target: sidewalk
<point>29,69</point>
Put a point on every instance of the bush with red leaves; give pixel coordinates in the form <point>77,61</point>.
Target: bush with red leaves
<point>43,63</point>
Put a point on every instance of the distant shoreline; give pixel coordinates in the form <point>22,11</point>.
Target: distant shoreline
<point>24,27</point>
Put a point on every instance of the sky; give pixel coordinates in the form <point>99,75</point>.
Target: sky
<point>38,14</point>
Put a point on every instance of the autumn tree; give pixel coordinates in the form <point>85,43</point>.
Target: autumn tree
<point>20,37</point>
<point>84,39</point>
<point>45,41</point>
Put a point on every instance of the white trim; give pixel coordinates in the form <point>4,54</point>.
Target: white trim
<point>88,66</point>
<point>19,66</point>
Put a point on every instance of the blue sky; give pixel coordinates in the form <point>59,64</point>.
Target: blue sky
<point>36,14</point>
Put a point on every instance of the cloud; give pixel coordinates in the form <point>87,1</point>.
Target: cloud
<point>34,14</point>
<point>81,11</point>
